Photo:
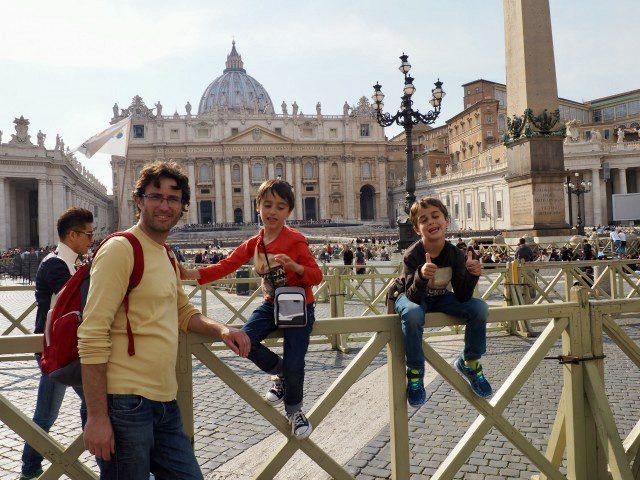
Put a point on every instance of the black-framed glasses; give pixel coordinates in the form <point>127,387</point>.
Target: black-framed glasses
<point>88,234</point>
<point>156,199</point>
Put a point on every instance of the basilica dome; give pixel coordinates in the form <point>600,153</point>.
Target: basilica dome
<point>234,90</point>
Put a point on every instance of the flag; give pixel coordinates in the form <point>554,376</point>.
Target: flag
<point>112,140</point>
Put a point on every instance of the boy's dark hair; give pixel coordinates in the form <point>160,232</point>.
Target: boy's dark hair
<point>522,241</point>
<point>279,187</point>
<point>152,173</point>
<point>425,202</point>
<point>75,218</point>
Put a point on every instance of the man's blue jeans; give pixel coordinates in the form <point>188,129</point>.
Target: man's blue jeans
<point>149,438</point>
<point>49,400</point>
<point>475,313</point>
<point>296,342</point>
<point>617,247</point>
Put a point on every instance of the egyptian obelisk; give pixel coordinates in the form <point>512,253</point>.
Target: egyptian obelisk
<point>534,151</point>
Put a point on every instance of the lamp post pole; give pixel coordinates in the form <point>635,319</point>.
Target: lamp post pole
<point>579,188</point>
<point>407,117</point>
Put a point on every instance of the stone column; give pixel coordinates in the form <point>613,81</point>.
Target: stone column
<point>349,195</point>
<point>246,191</point>
<point>323,186</point>
<point>535,165</point>
<point>383,206</point>
<point>4,221</point>
<point>69,195</point>
<point>193,208</point>
<point>228,191</point>
<point>622,180</point>
<point>271,168</point>
<point>58,205</point>
<point>596,198</point>
<point>217,181</point>
<point>43,213</point>
<point>298,188</point>
<point>288,170</point>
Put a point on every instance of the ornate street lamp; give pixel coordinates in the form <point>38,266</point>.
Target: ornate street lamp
<point>407,117</point>
<point>578,189</point>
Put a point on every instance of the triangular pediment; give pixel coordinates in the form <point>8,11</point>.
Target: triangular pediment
<point>255,134</point>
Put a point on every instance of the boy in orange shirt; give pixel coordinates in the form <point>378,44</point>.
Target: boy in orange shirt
<point>292,264</point>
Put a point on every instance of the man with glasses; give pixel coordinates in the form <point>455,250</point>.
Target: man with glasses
<point>75,229</point>
<point>133,420</point>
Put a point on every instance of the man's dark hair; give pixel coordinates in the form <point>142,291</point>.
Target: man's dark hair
<point>152,173</point>
<point>75,218</point>
<point>278,187</point>
<point>424,203</point>
<point>522,241</point>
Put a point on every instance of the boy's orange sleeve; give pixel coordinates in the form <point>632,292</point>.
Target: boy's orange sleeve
<point>239,257</point>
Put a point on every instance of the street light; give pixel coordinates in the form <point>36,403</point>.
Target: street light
<point>578,189</point>
<point>407,117</point>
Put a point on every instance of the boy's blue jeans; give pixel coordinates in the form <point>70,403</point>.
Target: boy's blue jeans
<point>296,342</point>
<point>149,438</point>
<point>475,313</point>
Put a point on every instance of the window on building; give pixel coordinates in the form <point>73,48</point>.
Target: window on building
<point>621,110</point>
<point>366,170</point>
<point>456,210</point>
<point>309,188</point>
<point>174,134</point>
<point>502,122</point>
<point>596,115</point>
<point>237,190</point>
<point>606,134</point>
<point>587,134</point>
<point>468,210</point>
<point>468,92</point>
<point>202,133</point>
<point>483,211</point>
<point>138,131</point>
<point>489,118</point>
<point>279,170</point>
<point>308,170</point>
<point>257,172</point>
<point>205,191</point>
<point>607,114</point>
<point>307,132</point>
<point>279,130</point>
<point>489,133</point>
<point>205,173</point>
<point>477,89</point>
<point>633,107</point>
<point>364,130</point>
<point>235,175</point>
<point>234,131</point>
<point>499,209</point>
<point>333,133</point>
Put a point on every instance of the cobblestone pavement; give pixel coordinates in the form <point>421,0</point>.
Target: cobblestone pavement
<point>226,425</point>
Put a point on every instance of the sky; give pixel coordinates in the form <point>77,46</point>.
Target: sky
<point>64,64</point>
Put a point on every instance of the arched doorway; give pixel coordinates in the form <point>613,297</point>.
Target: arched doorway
<point>310,209</point>
<point>237,216</point>
<point>367,196</point>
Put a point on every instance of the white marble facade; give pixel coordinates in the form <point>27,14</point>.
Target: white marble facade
<point>38,184</point>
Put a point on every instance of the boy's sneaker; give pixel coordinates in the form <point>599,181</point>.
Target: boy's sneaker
<point>479,384</point>
<point>416,395</point>
<point>30,476</point>
<point>300,425</point>
<point>276,393</point>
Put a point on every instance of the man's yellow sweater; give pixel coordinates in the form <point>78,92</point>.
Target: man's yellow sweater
<point>157,307</point>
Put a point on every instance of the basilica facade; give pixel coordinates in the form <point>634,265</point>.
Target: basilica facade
<point>338,165</point>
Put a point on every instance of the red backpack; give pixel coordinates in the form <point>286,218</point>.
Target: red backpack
<point>60,359</point>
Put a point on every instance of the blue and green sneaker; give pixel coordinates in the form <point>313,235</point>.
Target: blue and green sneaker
<point>479,384</point>
<point>416,395</point>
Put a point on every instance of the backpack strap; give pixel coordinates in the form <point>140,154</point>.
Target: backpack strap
<point>134,279</point>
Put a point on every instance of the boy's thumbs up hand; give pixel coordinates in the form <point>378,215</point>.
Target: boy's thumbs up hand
<point>473,265</point>
<point>428,270</point>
